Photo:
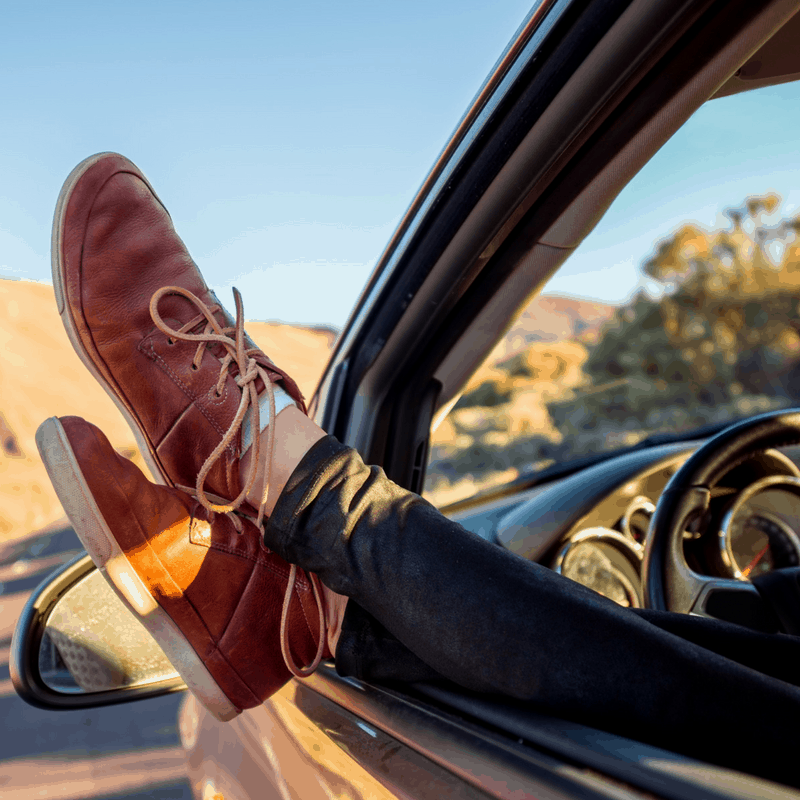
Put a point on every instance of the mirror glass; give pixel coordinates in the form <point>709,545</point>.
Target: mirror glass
<point>92,643</point>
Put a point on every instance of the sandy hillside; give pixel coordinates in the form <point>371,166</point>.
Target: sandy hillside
<point>40,376</point>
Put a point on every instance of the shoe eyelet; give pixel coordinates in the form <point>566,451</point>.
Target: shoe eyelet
<point>170,342</point>
<point>195,367</point>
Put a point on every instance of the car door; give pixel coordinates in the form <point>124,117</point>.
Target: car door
<point>584,95</point>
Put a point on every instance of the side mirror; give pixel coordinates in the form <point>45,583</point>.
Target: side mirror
<point>75,645</point>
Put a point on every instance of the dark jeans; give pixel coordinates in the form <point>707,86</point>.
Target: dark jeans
<point>430,600</point>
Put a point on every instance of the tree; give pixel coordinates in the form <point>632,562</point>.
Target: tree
<point>720,340</point>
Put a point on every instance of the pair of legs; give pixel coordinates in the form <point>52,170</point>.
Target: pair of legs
<point>428,600</point>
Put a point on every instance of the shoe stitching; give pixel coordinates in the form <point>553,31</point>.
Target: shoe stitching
<point>301,582</point>
<point>225,658</point>
<point>221,398</point>
<point>165,366</point>
<point>237,607</point>
<point>216,648</point>
<point>256,560</point>
<point>83,328</point>
<point>157,358</point>
<point>185,599</point>
<point>186,390</point>
<point>249,372</point>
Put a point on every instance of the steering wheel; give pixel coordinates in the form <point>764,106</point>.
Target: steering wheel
<point>669,583</point>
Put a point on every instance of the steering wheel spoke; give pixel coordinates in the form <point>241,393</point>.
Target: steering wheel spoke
<point>735,601</point>
<point>716,597</point>
<point>669,583</point>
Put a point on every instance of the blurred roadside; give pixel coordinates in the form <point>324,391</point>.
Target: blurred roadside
<point>711,335</point>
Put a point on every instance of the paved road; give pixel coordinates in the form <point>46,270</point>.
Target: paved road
<point>123,752</point>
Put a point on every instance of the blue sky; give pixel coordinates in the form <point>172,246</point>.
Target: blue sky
<point>288,139</point>
<point>730,148</point>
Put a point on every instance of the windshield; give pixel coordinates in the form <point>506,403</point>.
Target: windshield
<point>678,312</point>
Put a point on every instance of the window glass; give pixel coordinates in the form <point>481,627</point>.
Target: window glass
<point>679,311</point>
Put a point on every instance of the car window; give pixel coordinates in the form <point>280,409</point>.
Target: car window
<point>679,310</point>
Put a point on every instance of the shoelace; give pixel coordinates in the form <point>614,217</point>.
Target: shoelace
<point>249,372</point>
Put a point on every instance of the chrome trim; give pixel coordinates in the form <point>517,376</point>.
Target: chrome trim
<point>529,36</point>
<point>508,749</point>
<point>639,503</point>
<point>490,763</point>
<point>724,534</point>
<point>599,533</point>
<point>372,762</point>
<point>631,550</point>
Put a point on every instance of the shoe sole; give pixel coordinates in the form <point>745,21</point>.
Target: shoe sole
<point>90,525</point>
<point>58,268</point>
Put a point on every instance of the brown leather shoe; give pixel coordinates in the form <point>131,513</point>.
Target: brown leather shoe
<point>210,595</point>
<point>173,362</point>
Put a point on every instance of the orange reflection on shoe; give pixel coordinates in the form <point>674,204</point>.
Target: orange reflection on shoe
<point>163,567</point>
<point>128,582</point>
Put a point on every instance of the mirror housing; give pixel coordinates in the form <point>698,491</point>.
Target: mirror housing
<point>75,645</point>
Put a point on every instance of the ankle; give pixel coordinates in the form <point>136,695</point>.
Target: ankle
<point>335,605</point>
<point>295,435</point>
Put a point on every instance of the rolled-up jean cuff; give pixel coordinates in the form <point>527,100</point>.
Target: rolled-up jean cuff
<point>366,649</point>
<point>282,524</point>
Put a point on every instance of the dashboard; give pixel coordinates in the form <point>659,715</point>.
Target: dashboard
<point>592,526</point>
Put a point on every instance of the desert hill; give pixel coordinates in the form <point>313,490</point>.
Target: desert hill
<point>553,318</point>
<point>41,376</point>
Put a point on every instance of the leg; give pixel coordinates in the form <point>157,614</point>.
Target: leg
<point>495,623</point>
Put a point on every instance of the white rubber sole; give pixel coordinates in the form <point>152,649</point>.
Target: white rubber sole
<point>69,323</point>
<point>90,525</point>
